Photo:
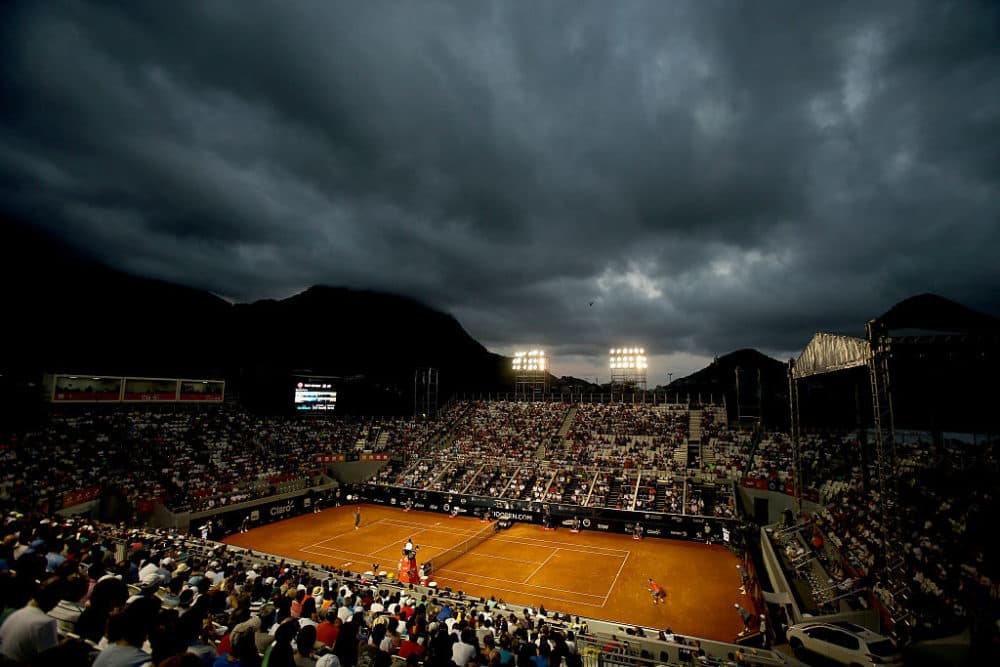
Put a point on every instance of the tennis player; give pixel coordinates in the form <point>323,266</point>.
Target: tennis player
<point>656,591</point>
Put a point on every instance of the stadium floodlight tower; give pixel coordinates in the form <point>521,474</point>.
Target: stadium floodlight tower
<point>531,373</point>
<point>628,367</point>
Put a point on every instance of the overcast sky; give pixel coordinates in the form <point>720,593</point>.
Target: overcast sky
<point>693,177</point>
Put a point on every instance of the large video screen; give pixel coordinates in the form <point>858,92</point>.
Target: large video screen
<point>315,395</point>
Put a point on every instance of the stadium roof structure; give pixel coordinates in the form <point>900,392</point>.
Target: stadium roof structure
<point>925,336</point>
<point>828,353</point>
<point>932,357</point>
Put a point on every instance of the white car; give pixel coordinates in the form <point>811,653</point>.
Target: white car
<point>846,643</point>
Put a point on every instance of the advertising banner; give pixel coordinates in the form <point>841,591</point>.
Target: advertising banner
<point>80,496</point>
<point>653,524</point>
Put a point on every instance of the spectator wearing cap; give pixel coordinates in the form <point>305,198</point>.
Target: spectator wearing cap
<point>346,611</point>
<point>376,606</point>
<point>30,631</point>
<point>185,601</point>
<point>242,647</point>
<point>215,573</point>
<point>328,660</point>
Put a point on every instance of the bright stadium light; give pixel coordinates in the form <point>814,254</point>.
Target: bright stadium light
<point>530,376</point>
<point>628,366</point>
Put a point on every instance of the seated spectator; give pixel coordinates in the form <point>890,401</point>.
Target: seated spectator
<point>304,644</point>
<point>108,595</point>
<point>68,611</point>
<point>127,632</point>
<point>30,630</point>
<point>326,631</point>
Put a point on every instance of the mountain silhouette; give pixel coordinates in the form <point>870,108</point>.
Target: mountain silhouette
<point>931,312</point>
<point>72,314</point>
<point>67,312</point>
<point>718,381</point>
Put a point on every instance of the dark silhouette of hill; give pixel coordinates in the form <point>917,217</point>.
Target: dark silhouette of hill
<point>69,313</point>
<point>719,379</point>
<point>931,312</point>
<point>66,312</point>
<point>943,368</point>
<point>943,365</point>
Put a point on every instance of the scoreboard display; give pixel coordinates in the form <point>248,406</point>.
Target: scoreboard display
<point>314,395</point>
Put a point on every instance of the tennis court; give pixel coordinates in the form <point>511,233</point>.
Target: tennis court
<point>594,574</point>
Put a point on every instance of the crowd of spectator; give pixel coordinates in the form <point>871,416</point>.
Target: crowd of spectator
<point>619,456</point>
<point>188,459</point>
<point>209,458</point>
<point>92,595</point>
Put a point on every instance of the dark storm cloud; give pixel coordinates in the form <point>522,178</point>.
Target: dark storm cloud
<point>691,176</point>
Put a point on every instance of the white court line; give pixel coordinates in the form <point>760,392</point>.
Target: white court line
<point>618,553</point>
<point>333,537</point>
<point>523,592</point>
<point>331,552</point>
<point>389,546</point>
<point>428,546</point>
<point>567,545</point>
<point>541,565</point>
<point>450,531</point>
<point>492,557</point>
<point>508,581</point>
<point>614,582</point>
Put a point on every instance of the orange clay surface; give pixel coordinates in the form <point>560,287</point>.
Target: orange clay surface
<point>592,574</point>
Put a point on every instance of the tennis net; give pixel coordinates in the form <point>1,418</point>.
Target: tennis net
<point>462,548</point>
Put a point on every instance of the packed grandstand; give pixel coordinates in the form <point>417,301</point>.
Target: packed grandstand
<point>653,458</point>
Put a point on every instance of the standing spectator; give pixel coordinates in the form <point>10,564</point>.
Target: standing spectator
<point>745,616</point>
